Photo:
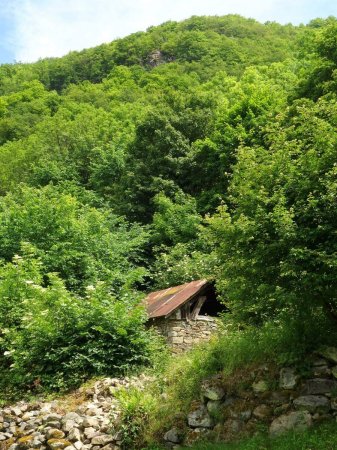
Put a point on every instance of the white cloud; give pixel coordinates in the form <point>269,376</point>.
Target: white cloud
<point>54,27</point>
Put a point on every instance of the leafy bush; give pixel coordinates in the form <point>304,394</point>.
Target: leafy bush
<point>275,240</point>
<point>82,243</point>
<point>55,340</point>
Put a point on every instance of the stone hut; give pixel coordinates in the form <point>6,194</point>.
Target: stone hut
<point>185,314</point>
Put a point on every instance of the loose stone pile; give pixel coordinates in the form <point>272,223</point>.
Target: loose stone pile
<point>43,426</point>
<point>279,399</point>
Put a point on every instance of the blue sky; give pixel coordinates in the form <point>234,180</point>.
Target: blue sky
<point>33,29</point>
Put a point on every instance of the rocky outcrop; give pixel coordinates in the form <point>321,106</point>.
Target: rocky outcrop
<point>46,426</point>
<point>277,398</point>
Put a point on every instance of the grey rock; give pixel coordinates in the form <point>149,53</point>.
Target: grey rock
<point>288,378</point>
<point>68,425</point>
<point>3,437</point>
<point>58,444</point>
<point>74,435</point>
<point>298,420</point>
<point>28,415</point>
<point>14,447</point>
<point>16,411</point>
<point>103,439</point>
<point>54,433</point>
<point>319,386</point>
<point>173,435</point>
<point>212,391</point>
<point>93,411</point>
<point>78,445</point>
<point>329,353</point>
<point>110,447</point>
<point>36,443</point>
<point>51,418</point>
<point>72,416</point>
<point>90,422</point>
<point>233,425</point>
<point>200,418</point>
<point>214,406</point>
<point>312,403</point>
<point>262,412</point>
<point>90,432</point>
<point>245,415</point>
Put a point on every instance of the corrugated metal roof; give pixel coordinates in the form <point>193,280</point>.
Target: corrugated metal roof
<point>163,303</point>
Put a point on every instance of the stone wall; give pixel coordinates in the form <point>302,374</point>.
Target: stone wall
<point>181,335</point>
<point>266,397</point>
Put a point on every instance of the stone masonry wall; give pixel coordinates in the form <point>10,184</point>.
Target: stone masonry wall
<point>181,335</point>
<point>281,399</point>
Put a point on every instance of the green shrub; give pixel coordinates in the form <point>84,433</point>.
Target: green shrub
<point>136,407</point>
<point>55,340</point>
<point>82,243</point>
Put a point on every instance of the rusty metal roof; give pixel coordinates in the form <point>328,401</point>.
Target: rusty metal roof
<point>163,303</point>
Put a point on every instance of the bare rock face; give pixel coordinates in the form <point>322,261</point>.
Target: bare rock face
<point>312,403</point>
<point>298,420</point>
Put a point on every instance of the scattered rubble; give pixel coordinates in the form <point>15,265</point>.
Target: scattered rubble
<point>43,426</point>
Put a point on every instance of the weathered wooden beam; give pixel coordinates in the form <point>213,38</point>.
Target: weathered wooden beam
<point>197,308</point>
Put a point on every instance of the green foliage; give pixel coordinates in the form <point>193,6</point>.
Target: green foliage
<point>187,151</point>
<point>136,406</point>
<point>175,221</point>
<point>55,340</point>
<point>81,243</point>
<point>235,353</point>
<point>276,245</point>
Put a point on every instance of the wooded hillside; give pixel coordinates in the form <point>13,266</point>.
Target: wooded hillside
<point>205,148</point>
